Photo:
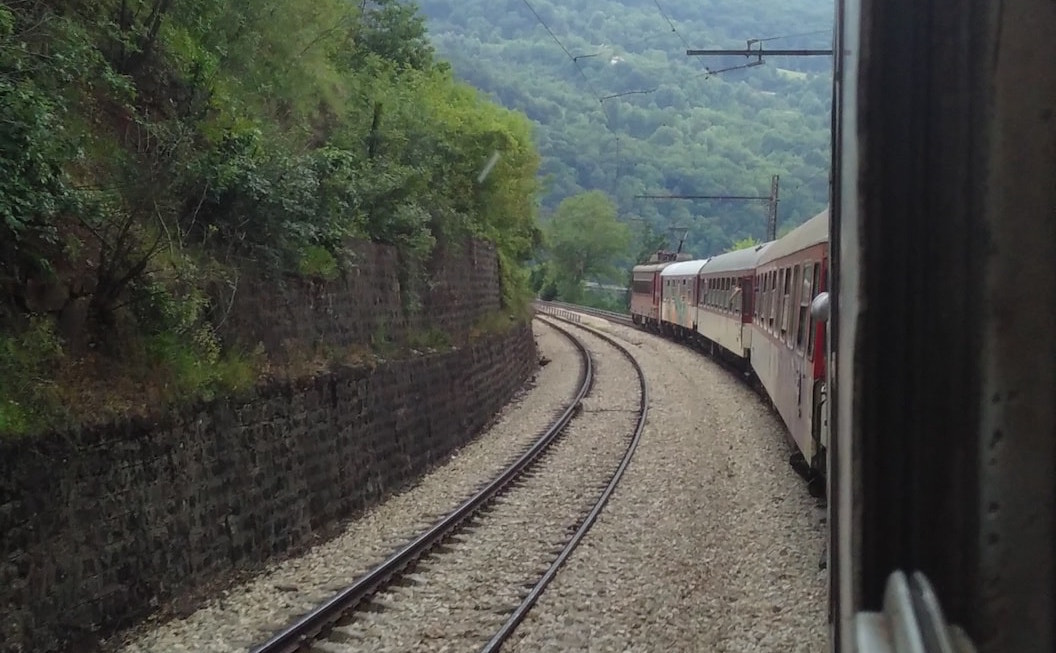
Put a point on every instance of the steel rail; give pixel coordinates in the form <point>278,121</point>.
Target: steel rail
<point>514,620</point>
<point>612,316</point>
<point>745,376</point>
<point>310,626</point>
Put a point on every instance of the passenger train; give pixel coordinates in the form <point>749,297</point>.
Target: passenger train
<point>925,390</point>
<point>752,307</point>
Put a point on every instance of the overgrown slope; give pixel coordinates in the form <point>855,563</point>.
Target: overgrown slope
<point>149,147</point>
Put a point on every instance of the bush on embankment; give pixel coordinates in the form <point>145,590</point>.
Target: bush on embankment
<point>150,149</point>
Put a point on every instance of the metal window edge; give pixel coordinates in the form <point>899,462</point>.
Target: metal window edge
<point>911,621</point>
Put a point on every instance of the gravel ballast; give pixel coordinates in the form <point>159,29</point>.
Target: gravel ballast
<point>248,613</point>
<point>458,598</point>
<point>710,543</point>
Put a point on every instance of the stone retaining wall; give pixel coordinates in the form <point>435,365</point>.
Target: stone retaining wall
<point>99,526</point>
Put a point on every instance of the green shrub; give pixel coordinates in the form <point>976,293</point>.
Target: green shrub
<point>29,400</point>
<point>318,262</point>
<point>435,339</point>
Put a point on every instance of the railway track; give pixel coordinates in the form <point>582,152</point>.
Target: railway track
<point>815,483</point>
<point>612,316</point>
<point>505,543</point>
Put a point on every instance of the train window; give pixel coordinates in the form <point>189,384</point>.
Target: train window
<point>789,309</point>
<point>795,330</point>
<point>783,311</point>
<point>764,311</point>
<point>796,274</point>
<point>815,289</point>
<point>755,303</point>
<point>771,308</point>
<point>772,304</point>
<point>760,306</point>
<point>807,294</point>
<point>779,299</point>
<point>803,303</point>
<point>779,294</point>
<point>764,292</point>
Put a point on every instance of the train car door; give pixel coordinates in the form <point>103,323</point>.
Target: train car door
<point>746,300</point>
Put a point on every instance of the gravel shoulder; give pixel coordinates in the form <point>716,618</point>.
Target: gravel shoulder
<point>458,599</point>
<point>710,542</point>
<point>248,613</point>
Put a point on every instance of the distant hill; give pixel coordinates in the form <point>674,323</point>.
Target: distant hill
<point>676,130</point>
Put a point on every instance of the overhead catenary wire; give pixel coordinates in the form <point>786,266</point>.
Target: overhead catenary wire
<point>674,29</point>
<point>671,23</point>
<point>616,95</point>
<point>574,60</point>
<point>791,36</point>
<point>601,99</point>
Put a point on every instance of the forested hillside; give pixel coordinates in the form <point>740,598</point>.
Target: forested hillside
<point>151,148</point>
<point>675,129</point>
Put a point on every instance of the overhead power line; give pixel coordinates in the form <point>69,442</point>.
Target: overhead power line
<point>758,52</point>
<point>790,36</point>
<point>616,95</point>
<point>561,45</point>
<point>772,199</point>
<point>669,22</point>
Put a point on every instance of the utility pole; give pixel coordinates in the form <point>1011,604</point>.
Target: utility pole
<point>772,198</point>
<point>771,218</point>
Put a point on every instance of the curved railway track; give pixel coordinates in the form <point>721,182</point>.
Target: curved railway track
<point>815,483</point>
<point>323,627</point>
<point>611,316</point>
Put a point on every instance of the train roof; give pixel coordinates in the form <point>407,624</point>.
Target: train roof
<point>651,267</point>
<point>684,268</point>
<point>742,259</point>
<point>811,232</point>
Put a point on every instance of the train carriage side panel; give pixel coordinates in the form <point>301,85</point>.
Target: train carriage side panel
<point>722,304</point>
<point>786,354</point>
<point>679,281</point>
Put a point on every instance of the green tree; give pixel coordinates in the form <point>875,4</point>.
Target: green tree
<point>743,243</point>
<point>650,242</point>
<point>151,148</point>
<point>664,127</point>
<point>585,240</point>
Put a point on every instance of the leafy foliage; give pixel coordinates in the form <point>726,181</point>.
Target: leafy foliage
<point>584,240</point>
<point>633,115</point>
<point>150,147</point>
<point>28,394</point>
<point>743,243</point>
